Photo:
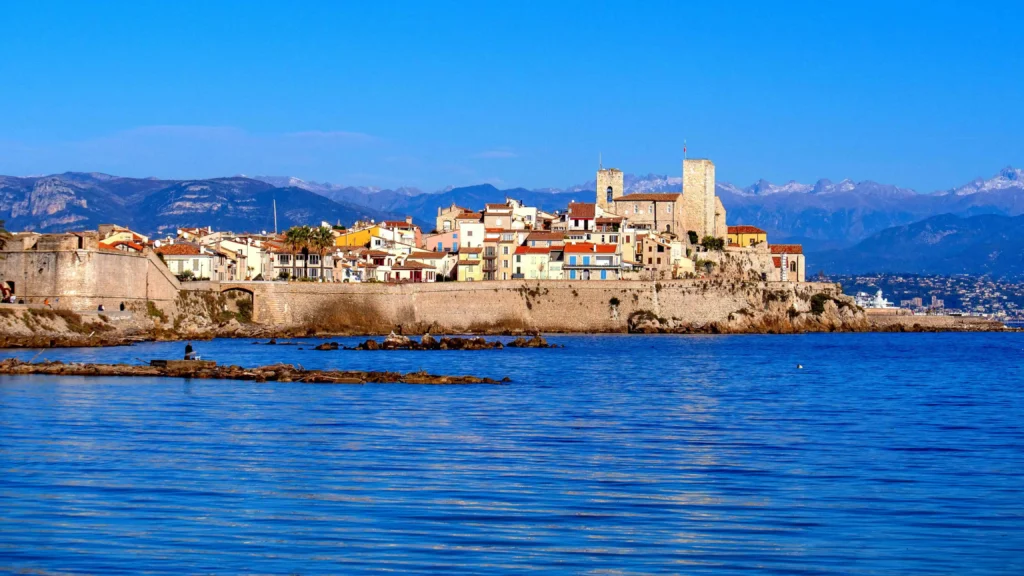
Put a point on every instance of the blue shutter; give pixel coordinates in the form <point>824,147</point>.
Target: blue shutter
<point>604,274</point>
<point>572,274</point>
<point>586,260</point>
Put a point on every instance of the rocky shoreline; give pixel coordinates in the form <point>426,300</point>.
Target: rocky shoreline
<point>428,342</point>
<point>272,373</point>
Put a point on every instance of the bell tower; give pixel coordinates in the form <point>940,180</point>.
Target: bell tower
<point>609,187</point>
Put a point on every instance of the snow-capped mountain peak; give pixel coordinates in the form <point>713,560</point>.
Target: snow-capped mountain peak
<point>1007,178</point>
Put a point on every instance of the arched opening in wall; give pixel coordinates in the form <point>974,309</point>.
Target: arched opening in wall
<point>238,302</point>
<point>609,193</point>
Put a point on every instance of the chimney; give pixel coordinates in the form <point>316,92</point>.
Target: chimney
<point>408,220</point>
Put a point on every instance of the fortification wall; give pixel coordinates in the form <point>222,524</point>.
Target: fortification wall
<point>554,306</point>
<point>84,279</point>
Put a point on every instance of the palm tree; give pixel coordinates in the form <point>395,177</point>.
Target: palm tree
<point>321,240</point>
<point>297,239</point>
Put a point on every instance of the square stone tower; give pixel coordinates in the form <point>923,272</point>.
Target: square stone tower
<point>699,196</point>
<point>609,188</point>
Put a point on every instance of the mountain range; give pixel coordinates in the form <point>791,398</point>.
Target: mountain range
<point>832,219</point>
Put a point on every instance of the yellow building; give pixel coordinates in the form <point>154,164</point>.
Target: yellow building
<point>746,235</point>
<point>470,268</point>
<point>354,238</point>
<point>532,263</point>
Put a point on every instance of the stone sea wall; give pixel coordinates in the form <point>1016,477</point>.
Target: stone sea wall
<point>551,306</point>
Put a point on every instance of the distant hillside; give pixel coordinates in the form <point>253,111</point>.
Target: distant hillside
<point>77,201</point>
<point>946,244</point>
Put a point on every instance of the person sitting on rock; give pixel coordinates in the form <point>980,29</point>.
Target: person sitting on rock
<point>189,352</point>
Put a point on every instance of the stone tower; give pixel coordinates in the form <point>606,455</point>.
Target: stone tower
<point>609,187</point>
<point>699,197</point>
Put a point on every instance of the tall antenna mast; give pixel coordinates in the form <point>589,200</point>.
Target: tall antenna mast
<point>684,165</point>
<point>275,216</point>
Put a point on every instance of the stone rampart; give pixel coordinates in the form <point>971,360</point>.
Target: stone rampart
<point>555,306</point>
<point>84,279</point>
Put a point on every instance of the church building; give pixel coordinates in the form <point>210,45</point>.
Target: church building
<point>694,208</point>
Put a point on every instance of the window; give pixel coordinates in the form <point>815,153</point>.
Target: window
<point>504,250</point>
<point>636,208</point>
<point>668,208</point>
<point>572,260</point>
<point>602,239</point>
<point>440,246</point>
<point>469,233</point>
<point>627,239</point>
<point>519,258</point>
<point>572,274</point>
<point>498,222</point>
<point>792,266</point>
<point>519,270</point>
<point>504,263</point>
<point>195,264</point>
<point>455,246</point>
<point>650,260</point>
<point>455,236</point>
<point>586,260</point>
<point>604,274</point>
<point>608,193</point>
<point>314,272</point>
<point>284,259</point>
<point>504,275</point>
<point>314,259</point>
<point>659,261</point>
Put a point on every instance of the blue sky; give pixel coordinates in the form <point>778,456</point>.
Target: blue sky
<point>926,95</point>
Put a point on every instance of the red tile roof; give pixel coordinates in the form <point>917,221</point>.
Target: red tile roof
<point>498,206</point>
<point>582,210</point>
<point>468,250</point>
<point>179,250</point>
<point>428,255</point>
<point>655,196</point>
<point>744,229</point>
<point>609,220</point>
<point>469,216</point>
<point>787,249</point>
<point>114,245</point>
<point>412,266</point>
<point>545,236</point>
<point>533,250</point>
<point>398,224</point>
<point>468,262</point>
<point>584,247</point>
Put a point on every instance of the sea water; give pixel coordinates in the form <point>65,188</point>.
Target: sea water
<point>811,454</point>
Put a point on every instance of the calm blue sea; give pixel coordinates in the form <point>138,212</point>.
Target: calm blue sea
<point>884,454</point>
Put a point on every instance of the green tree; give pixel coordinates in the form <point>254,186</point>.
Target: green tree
<point>321,240</point>
<point>4,235</point>
<point>711,243</point>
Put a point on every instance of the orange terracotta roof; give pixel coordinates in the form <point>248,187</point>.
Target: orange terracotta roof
<point>377,253</point>
<point>407,265</point>
<point>744,229</point>
<point>545,236</point>
<point>468,250</point>
<point>179,250</point>
<point>787,249</point>
<point>652,196</point>
<point>114,245</point>
<point>582,210</point>
<point>498,206</point>
<point>533,250</point>
<point>469,216</point>
<point>428,255</point>
<point>586,247</point>
<point>468,262</point>
<point>609,220</point>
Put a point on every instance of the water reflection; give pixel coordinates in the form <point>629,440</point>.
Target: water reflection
<point>616,454</point>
